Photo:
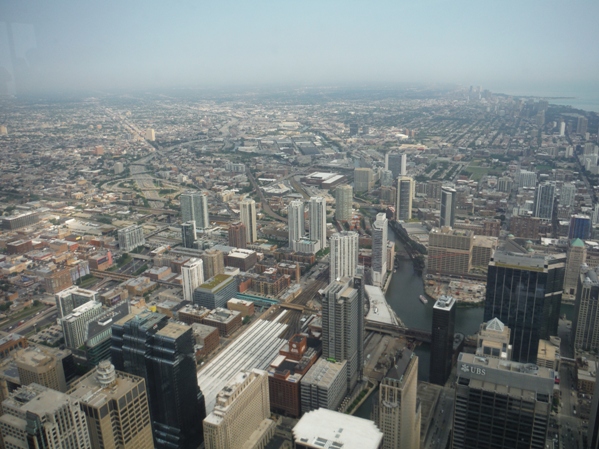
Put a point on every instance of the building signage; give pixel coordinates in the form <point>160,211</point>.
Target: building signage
<point>473,369</point>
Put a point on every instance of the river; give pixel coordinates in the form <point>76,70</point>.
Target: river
<point>402,295</point>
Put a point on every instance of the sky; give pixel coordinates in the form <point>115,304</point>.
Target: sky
<point>523,45</point>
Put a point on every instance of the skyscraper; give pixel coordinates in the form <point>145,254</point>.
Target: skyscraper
<point>193,276</point>
<point>577,255</point>
<point>593,432</point>
<point>386,177</point>
<point>379,249</point>
<point>343,202</point>
<point>449,200</point>
<point>247,214</point>
<point>194,206</point>
<point>363,179</point>
<point>237,235</point>
<point>397,411</point>
<point>188,233</point>
<point>501,404</point>
<point>147,345</point>
<point>567,194</point>
<point>74,325</point>
<point>580,227</point>
<point>115,405</point>
<point>582,125</point>
<point>38,417</point>
<point>405,193</point>
<point>396,163</point>
<point>342,319</point>
<point>318,221</point>
<point>585,328</point>
<point>214,263</point>
<point>442,339</point>
<point>241,415</point>
<point>525,292</point>
<point>42,366</point>
<point>543,207</point>
<point>344,255</point>
<point>295,221</point>
<point>131,237</point>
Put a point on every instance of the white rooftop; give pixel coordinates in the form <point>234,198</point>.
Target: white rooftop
<point>326,429</point>
<point>379,311</point>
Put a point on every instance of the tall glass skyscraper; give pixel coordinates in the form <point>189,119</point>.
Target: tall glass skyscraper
<point>442,339</point>
<point>525,293</point>
<point>147,345</point>
<point>342,326</point>
<point>194,206</point>
<point>544,200</point>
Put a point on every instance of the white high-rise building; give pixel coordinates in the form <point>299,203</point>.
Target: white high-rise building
<point>344,255</point>
<point>562,129</point>
<point>131,237</point>
<point>343,202</point>
<point>36,416</point>
<point>150,134</point>
<point>567,194</point>
<point>241,415</point>
<point>74,325</point>
<point>379,249</point>
<point>194,207</point>
<point>247,212</point>
<point>526,178</point>
<point>295,221</point>
<point>405,193</point>
<point>193,277</point>
<point>318,221</point>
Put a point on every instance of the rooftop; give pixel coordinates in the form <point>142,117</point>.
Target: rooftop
<point>324,428</point>
<point>215,281</point>
<point>444,302</point>
<point>90,391</point>
<point>257,347</point>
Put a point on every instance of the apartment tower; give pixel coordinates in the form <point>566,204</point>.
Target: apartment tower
<point>247,214</point>
<point>344,255</point>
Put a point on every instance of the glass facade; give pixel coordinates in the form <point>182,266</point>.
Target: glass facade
<point>442,341</point>
<point>528,302</point>
<point>148,346</point>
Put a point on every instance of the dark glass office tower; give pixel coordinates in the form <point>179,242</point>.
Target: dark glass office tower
<point>525,293</point>
<point>442,339</point>
<point>188,233</point>
<point>147,345</point>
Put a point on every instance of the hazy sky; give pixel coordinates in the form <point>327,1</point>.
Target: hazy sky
<point>171,43</point>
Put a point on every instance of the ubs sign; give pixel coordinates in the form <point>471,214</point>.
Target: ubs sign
<point>473,369</point>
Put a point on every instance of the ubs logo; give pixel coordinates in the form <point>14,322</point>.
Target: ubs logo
<point>473,370</point>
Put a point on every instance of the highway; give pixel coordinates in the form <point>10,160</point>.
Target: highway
<point>265,206</point>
